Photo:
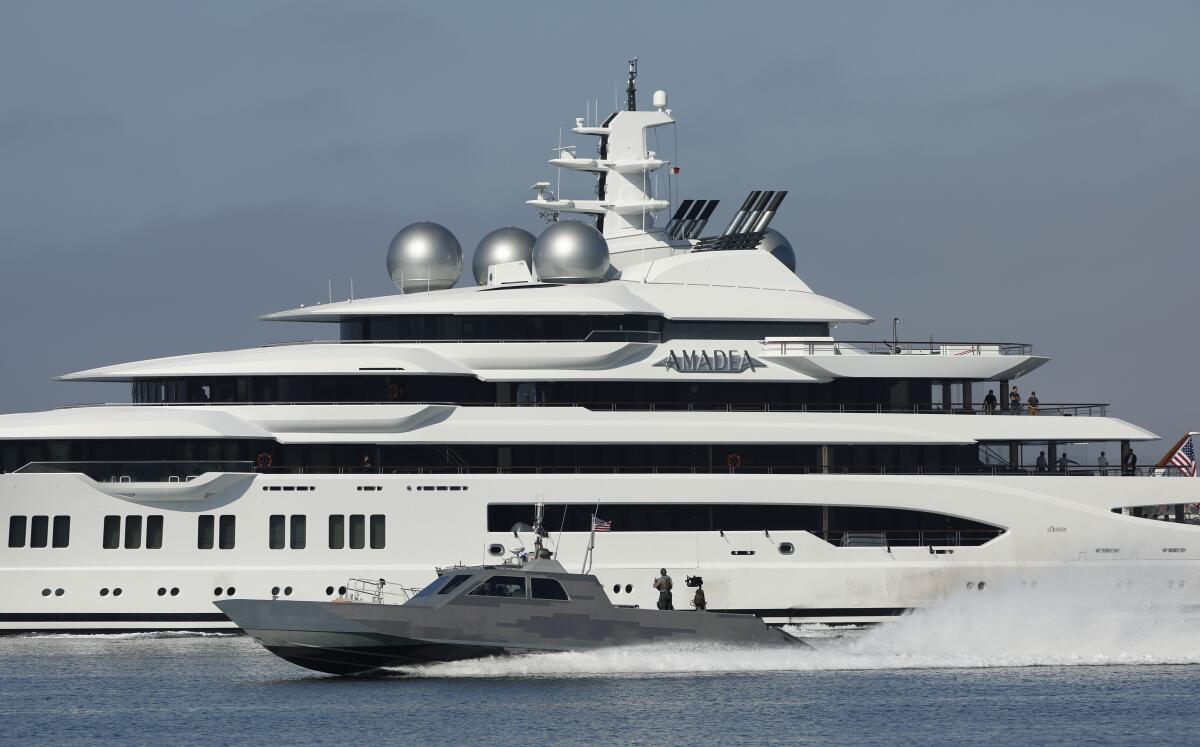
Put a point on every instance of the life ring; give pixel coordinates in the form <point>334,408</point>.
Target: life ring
<point>733,460</point>
<point>264,460</point>
<point>393,392</point>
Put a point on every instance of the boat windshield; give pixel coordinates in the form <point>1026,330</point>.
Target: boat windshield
<point>501,586</point>
<point>443,585</point>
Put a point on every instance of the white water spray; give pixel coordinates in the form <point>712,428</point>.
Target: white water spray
<point>1104,621</point>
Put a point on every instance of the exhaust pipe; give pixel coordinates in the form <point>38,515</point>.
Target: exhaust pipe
<point>755,212</point>
<point>690,220</point>
<point>695,230</point>
<point>677,218</point>
<point>769,213</point>
<point>748,203</point>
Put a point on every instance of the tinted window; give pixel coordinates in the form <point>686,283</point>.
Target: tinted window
<point>337,531</point>
<point>501,586</point>
<point>39,531</point>
<point>227,526</point>
<point>377,531</point>
<point>299,531</point>
<point>275,532</point>
<point>16,531</point>
<point>547,588</point>
<point>204,532</point>
<point>358,532</point>
<point>133,532</point>
<point>112,532</point>
<point>454,583</point>
<point>154,532</point>
<point>62,531</point>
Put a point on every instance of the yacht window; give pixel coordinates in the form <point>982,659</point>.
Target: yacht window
<point>546,588</point>
<point>39,529</point>
<point>358,531</point>
<point>337,531</point>
<point>154,532</point>
<point>378,534</point>
<point>299,531</point>
<point>112,532</point>
<point>454,583</point>
<point>133,532</point>
<point>228,525</point>
<point>204,532</point>
<point>62,531</point>
<point>16,531</point>
<point>501,586</point>
<point>275,531</point>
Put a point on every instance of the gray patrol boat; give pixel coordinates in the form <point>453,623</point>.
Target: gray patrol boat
<point>530,605</point>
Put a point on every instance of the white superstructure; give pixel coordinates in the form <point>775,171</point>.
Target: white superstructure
<point>689,389</point>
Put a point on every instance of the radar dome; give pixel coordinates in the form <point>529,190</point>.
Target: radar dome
<point>779,247</point>
<point>424,256</point>
<point>570,252</point>
<point>502,245</point>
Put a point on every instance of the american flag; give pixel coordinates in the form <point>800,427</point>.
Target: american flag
<point>600,525</point>
<point>1185,459</point>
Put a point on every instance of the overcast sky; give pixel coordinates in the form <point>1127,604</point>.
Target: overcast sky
<point>1012,171</point>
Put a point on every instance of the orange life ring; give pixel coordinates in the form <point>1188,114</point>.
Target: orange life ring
<point>733,460</point>
<point>264,459</point>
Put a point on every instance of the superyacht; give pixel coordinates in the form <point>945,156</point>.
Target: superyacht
<point>671,390</point>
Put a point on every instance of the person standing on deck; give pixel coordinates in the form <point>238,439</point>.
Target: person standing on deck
<point>1033,403</point>
<point>663,583</point>
<point>989,403</point>
<point>1014,400</point>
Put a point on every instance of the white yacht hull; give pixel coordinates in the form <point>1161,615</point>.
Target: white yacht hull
<point>1053,524</point>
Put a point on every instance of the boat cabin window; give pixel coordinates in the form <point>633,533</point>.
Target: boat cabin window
<point>455,582</point>
<point>501,586</point>
<point>442,585</point>
<point>547,588</point>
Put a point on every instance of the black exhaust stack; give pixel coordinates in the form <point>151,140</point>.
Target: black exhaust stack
<point>748,203</point>
<point>695,230</point>
<point>756,211</point>
<point>673,224</point>
<point>690,220</point>
<point>765,220</point>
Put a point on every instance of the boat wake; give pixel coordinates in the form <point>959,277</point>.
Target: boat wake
<point>142,635</point>
<point>1050,624</point>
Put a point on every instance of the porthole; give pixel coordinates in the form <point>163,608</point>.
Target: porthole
<point>58,592</point>
<point>117,592</point>
<point>104,592</point>
<point>287,591</point>
<point>328,591</point>
<point>174,591</point>
<point>162,592</point>
<point>217,591</point>
<point>230,591</point>
<point>496,550</point>
<point>274,591</point>
<point>45,592</point>
<point>970,585</point>
<point>786,548</point>
<point>341,591</point>
<point>628,588</point>
<point>981,585</point>
<point>616,588</point>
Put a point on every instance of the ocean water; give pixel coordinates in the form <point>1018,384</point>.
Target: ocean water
<point>1056,665</point>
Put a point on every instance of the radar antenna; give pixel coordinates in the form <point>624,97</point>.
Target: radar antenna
<point>631,89</point>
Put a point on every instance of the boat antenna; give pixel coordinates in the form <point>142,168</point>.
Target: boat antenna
<point>631,89</point>
<point>539,531</point>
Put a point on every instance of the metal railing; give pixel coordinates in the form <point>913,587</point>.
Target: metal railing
<point>981,470</point>
<point>176,471</point>
<point>1081,409</point>
<point>902,347</point>
<point>377,591</point>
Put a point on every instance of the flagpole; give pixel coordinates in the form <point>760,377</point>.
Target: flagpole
<point>587,555</point>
